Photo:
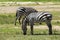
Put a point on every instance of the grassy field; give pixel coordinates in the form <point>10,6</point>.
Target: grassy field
<point>30,0</point>
<point>8,31</point>
<point>11,32</point>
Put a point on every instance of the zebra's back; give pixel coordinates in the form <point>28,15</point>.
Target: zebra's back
<point>39,16</point>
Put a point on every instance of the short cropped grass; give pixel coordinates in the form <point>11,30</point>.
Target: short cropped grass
<point>11,32</point>
<point>30,0</point>
<point>7,18</point>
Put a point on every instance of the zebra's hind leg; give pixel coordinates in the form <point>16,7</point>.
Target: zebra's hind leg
<point>50,27</point>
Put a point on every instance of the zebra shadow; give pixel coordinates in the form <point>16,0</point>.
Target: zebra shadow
<point>45,34</point>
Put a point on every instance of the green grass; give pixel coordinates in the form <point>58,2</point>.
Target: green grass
<point>7,18</point>
<point>30,37</point>
<point>56,15</point>
<point>30,0</point>
<point>9,32</point>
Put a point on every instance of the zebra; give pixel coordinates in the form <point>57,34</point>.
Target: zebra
<point>37,17</point>
<point>23,11</point>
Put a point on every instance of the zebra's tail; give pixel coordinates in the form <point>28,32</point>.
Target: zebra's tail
<point>49,17</point>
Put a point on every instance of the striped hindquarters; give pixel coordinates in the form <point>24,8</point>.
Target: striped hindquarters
<point>45,16</point>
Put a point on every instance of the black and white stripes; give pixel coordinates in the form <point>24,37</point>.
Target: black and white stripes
<point>44,16</point>
<point>40,16</point>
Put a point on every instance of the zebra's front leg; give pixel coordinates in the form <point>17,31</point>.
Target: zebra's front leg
<point>50,27</point>
<point>32,29</point>
<point>19,20</point>
<point>31,24</point>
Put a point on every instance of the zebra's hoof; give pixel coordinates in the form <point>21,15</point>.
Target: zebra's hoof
<point>15,24</point>
<point>31,33</point>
